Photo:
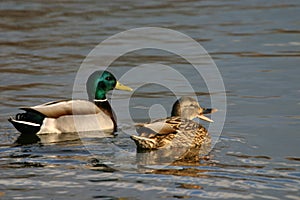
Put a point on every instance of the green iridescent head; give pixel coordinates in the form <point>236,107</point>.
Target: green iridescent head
<point>100,82</point>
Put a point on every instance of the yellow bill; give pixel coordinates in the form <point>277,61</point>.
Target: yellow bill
<point>120,86</point>
<point>205,118</point>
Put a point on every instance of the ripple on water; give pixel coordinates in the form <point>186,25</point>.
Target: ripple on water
<point>43,45</point>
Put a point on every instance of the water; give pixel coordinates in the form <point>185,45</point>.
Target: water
<point>256,46</point>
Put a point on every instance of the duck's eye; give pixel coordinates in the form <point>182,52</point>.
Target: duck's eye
<point>108,78</point>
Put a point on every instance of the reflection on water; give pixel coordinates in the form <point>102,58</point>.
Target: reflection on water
<point>26,139</point>
<point>256,47</point>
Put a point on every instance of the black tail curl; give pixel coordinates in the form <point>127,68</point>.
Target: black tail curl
<point>28,122</point>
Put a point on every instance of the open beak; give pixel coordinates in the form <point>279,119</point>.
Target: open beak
<point>120,86</point>
<point>205,118</point>
<point>207,111</point>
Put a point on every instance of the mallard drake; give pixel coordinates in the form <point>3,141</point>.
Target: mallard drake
<point>73,115</point>
<point>179,130</point>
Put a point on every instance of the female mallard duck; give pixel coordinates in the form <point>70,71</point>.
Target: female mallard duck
<point>176,131</point>
<point>73,115</point>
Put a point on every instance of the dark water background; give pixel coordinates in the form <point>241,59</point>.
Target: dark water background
<point>256,46</point>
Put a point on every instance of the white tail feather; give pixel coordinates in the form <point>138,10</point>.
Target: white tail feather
<point>24,122</point>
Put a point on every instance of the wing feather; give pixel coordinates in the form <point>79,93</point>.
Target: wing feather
<point>66,107</point>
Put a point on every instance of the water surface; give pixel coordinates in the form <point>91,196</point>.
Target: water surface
<point>256,46</point>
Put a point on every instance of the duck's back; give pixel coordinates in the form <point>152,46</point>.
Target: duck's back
<point>62,117</point>
<point>57,109</point>
<point>171,132</point>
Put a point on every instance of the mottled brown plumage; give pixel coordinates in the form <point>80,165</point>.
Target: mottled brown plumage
<point>179,130</point>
